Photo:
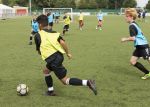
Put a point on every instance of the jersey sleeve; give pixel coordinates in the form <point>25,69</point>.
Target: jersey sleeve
<point>37,40</point>
<point>133,30</point>
<point>60,38</point>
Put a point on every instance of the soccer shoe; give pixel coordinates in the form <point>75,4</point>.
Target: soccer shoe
<point>30,43</point>
<point>146,76</point>
<point>50,93</point>
<point>92,86</point>
<point>96,27</point>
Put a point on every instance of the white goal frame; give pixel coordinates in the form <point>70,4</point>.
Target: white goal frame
<point>54,9</point>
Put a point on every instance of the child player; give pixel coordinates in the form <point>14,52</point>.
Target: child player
<point>81,23</point>
<point>67,21</point>
<point>50,16</point>
<point>51,46</point>
<point>100,19</point>
<point>140,42</point>
<point>35,29</point>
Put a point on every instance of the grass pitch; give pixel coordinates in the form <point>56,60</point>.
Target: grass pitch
<point>96,54</point>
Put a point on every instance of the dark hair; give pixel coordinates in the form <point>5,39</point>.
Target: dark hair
<point>49,13</point>
<point>43,20</point>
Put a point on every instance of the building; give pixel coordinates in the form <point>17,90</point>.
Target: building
<point>142,3</point>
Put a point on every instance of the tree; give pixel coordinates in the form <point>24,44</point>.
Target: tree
<point>148,5</point>
<point>92,4</point>
<point>82,4</point>
<point>6,2</point>
<point>102,3</point>
<point>129,3</point>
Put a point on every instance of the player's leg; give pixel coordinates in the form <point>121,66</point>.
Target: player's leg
<point>82,24</point>
<point>31,37</point>
<point>80,82</point>
<point>138,53</point>
<point>61,73</point>
<point>49,82</point>
<point>64,30</point>
<point>100,25</point>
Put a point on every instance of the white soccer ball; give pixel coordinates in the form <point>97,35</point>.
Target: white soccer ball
<point>22,89</point>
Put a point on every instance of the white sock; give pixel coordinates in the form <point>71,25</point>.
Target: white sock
<point>84,82</point>
<point>50,89</point>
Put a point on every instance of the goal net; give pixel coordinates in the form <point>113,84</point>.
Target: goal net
<point>59,11</point>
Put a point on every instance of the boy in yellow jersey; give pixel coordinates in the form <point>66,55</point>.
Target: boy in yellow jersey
<point>67,21</point>
<point>81,20</point>
<point>51,46</point>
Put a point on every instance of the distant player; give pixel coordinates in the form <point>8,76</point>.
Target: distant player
<point>100,19</point>
<point>139,15</point>
<point>144,15</point>
<point>57,16</point>
<point>67,21</point>
<point>81,23</point>
<point>51,46</point>
<point>35,28</point>
<point>140,42</point>
<point>50,16</point>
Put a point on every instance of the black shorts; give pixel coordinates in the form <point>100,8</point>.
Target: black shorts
<point>66,27</point>
<point>57,17</point>
<point>33,32</point>
<point>50,24</point>
<point>54,63</point>
<point>142,52</point>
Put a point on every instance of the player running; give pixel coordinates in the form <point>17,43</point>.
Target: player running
<point>35,28</point>
<point>67,21</point>
<point>81,23</point>
<point>50,16</point>
<point>100,19</point>
<point>140,42</point>
<point>51,46</point>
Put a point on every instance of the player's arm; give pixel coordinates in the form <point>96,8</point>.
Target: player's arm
<point>37,40</point>
<point>127,39</point>
<point>65,47</point>
<point>133,33</point>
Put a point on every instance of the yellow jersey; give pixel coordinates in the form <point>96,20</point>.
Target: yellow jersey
<point>49,44</point>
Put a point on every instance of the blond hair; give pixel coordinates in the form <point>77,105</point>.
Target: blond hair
<point>131,12</point>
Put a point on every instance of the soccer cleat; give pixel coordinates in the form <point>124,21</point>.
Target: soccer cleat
<point>146,76</point>
<point>50,93</point>
<point>92,86</point>
<point>30,43</point>
<point>96,27</point>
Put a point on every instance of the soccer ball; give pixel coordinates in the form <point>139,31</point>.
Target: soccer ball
<point>22,89</point>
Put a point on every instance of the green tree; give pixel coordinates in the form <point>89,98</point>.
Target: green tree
<point>82,4</point>
<point>148,5</point>
<point>6,2</point>
<point>102,3</point>
<point>92,4</point>
<point>129,3</point>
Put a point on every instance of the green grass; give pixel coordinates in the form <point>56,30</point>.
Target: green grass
<point>96,54</point>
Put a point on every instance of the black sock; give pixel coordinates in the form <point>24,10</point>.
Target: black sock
<point>49,81</point>
<point>75,81</point>
<point>30,38</point>
<point>141,67</point>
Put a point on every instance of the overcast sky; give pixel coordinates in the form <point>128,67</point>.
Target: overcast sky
<point>141,3</point>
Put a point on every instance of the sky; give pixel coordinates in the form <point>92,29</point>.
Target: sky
<point>141,3</point>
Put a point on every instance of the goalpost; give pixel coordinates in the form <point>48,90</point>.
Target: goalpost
<point>60,10</point>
